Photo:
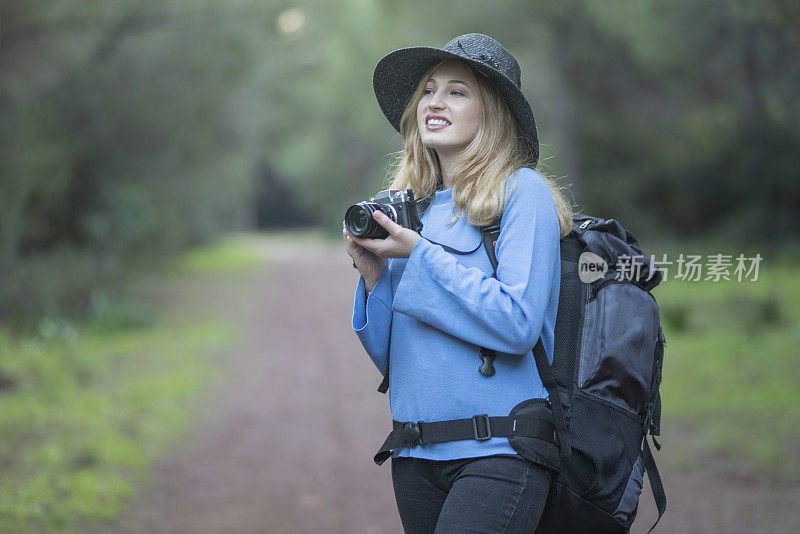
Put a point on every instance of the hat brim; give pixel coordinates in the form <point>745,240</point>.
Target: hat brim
<point>397,74</point>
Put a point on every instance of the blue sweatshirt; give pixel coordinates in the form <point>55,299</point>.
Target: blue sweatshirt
<point>428,315</point>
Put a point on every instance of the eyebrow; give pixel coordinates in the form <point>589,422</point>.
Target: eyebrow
<point>452,81</point>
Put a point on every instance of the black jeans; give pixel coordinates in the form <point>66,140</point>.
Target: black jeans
<point>490,494</point>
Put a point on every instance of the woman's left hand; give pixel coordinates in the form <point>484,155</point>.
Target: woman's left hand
<point>399,244</point>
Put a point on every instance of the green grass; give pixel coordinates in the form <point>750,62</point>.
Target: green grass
<point>228,255</point>
<point>85,410</point>
<point>732,363</point>
<point>83,413</point>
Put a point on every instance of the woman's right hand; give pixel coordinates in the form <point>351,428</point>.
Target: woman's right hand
<point>370,265</point>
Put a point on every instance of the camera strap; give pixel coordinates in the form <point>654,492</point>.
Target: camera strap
<point>455,250</point>
<point>423,204</point>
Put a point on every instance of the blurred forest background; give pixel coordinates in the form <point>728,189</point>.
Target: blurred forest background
<point>135,128</point>
<point>137,135</point>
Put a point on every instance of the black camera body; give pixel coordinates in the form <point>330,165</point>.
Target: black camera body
<point>399,206</point>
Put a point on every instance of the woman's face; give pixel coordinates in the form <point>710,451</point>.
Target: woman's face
<point>448,114</point>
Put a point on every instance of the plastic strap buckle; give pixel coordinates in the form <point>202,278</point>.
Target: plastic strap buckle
<point>485,421</point>
<point>412,434</point>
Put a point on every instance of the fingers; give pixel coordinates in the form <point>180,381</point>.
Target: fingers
<point>373,245</point>
<point>380,247</point>
<point>349,244</point>
<point>388,224</point>
<point>350,240</point>
<point>398,244</point>
<point>346,236</point>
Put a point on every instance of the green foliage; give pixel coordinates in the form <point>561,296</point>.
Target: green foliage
<point>122,142</point>
<point>227,255</point>
<point>135,128</point>
<point>675,316</point>
<point>696,136</point>
<point>114,314</point>
<point>731,366</point>
<point>88,410</point>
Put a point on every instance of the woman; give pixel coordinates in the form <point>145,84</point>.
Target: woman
<point>424,313</point>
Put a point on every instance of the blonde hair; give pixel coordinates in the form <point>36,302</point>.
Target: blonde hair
<point>498,150</point>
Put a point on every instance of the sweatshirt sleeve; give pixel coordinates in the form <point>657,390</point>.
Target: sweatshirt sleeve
<point>372,318</point>
<point>505,314</point>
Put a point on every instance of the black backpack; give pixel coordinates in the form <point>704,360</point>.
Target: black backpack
<point>607,370</point>
<point>603,386</point>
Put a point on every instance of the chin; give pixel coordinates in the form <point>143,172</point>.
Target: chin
<point>440,148</point>
<point>435,144</point>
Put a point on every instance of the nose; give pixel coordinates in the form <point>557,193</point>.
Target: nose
<point>436,101</point>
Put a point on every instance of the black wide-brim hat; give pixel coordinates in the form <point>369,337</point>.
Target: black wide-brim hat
<point>397,74</point>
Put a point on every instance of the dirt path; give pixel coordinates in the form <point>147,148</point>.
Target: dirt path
<point>286,445</point>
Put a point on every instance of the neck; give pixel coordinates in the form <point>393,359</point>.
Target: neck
<point>447,164</point>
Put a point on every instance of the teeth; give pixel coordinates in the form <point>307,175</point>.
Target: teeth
<point>438,122</point>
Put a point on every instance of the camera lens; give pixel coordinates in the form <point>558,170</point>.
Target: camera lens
<point>359,222</point>
<point>360,219</point>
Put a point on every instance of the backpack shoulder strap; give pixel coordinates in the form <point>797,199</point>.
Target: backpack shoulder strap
<point>550,384</point>
<point>489,237</point>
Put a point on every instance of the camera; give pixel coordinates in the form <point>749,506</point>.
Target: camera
<point>399,206</point>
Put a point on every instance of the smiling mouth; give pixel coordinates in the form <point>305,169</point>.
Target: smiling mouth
<point>436,123</point>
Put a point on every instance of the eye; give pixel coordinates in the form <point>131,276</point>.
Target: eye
<point>456,92</point>
<point>427,91</point>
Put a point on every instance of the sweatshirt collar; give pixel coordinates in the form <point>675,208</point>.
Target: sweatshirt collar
<point>443,195</point>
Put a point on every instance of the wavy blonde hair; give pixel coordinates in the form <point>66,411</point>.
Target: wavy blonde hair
<point>498,149</point>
